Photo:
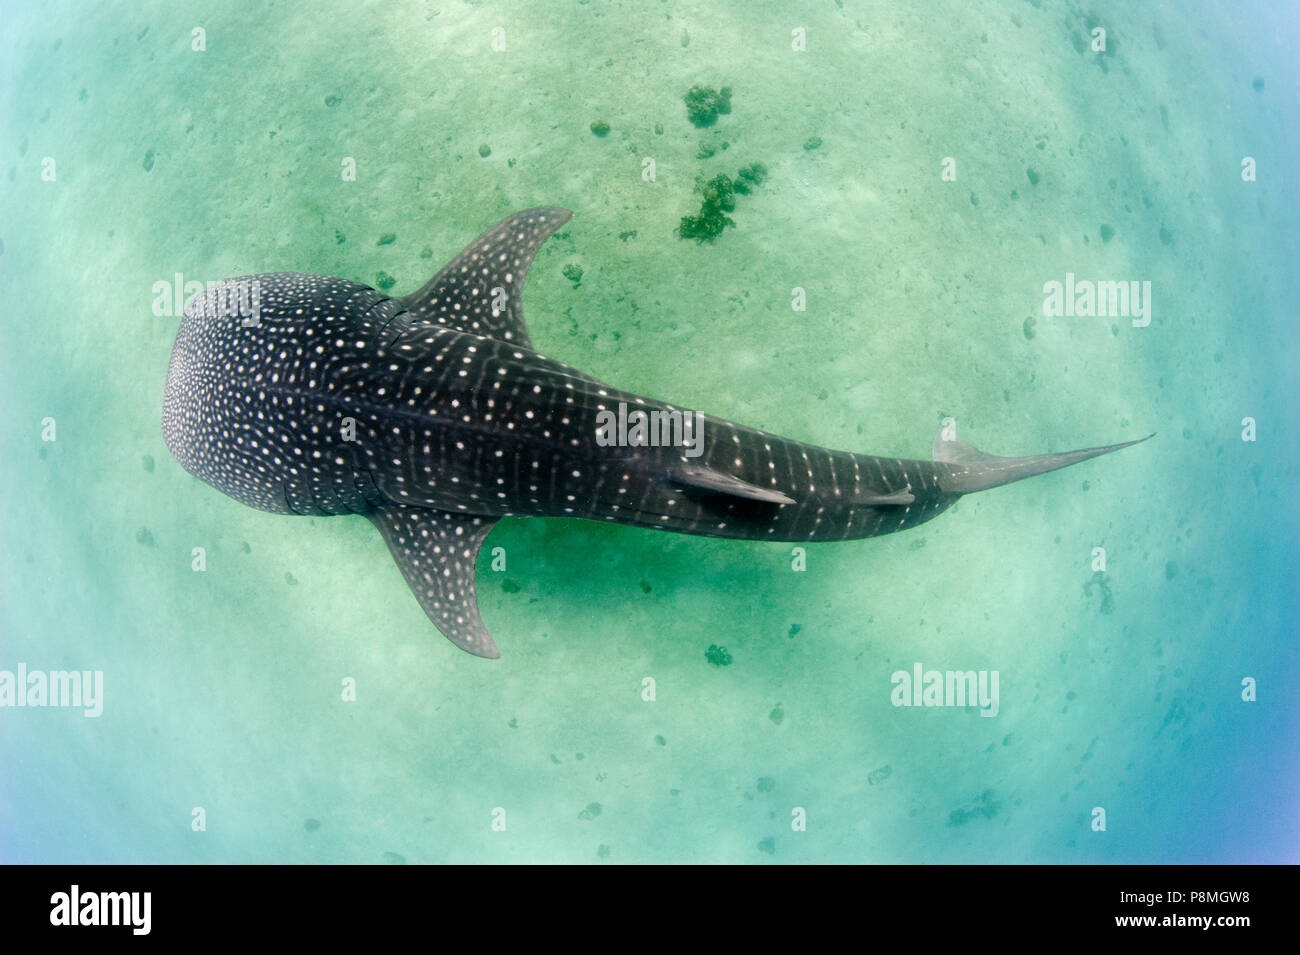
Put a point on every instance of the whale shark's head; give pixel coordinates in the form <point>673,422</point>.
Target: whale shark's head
<point>218,419</point>
<point>198,402</point>
<point>244,407</point>
<point>181,418</point>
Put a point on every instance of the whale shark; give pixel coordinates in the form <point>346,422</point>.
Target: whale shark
<point>433,415</point>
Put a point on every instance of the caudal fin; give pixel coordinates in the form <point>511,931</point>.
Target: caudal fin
<point>977,471</point>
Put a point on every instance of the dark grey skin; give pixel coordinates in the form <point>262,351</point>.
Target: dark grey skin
<point>432,415</point>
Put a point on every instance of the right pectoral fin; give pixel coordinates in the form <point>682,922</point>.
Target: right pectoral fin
<point>436,552</point>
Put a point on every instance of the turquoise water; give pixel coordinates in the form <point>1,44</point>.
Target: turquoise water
<point>129,157</point>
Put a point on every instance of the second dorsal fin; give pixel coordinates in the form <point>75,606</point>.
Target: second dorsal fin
<point>479,290</point>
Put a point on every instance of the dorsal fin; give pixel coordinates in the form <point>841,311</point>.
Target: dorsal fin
<point>437,552</point>
<point>462,294</point>
<point>955,451</point>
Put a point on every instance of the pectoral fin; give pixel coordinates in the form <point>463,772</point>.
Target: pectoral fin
<point>437,552</point>
<point>479,290</point>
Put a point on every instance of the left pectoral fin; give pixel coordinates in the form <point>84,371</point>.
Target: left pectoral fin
<point>437,552</point>
<point>479,290</point>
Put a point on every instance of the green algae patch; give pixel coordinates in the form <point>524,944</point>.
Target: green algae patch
<point>704,104</point>
<point>718,656</point>
<point>985,807</point>
<point>753,175</point>
<point>719,198</point>
<point>1101,581</point>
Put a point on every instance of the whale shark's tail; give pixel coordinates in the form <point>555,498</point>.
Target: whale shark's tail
<point>973,470</point>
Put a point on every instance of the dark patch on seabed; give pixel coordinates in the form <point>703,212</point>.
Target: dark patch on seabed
<point>985,806</point>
